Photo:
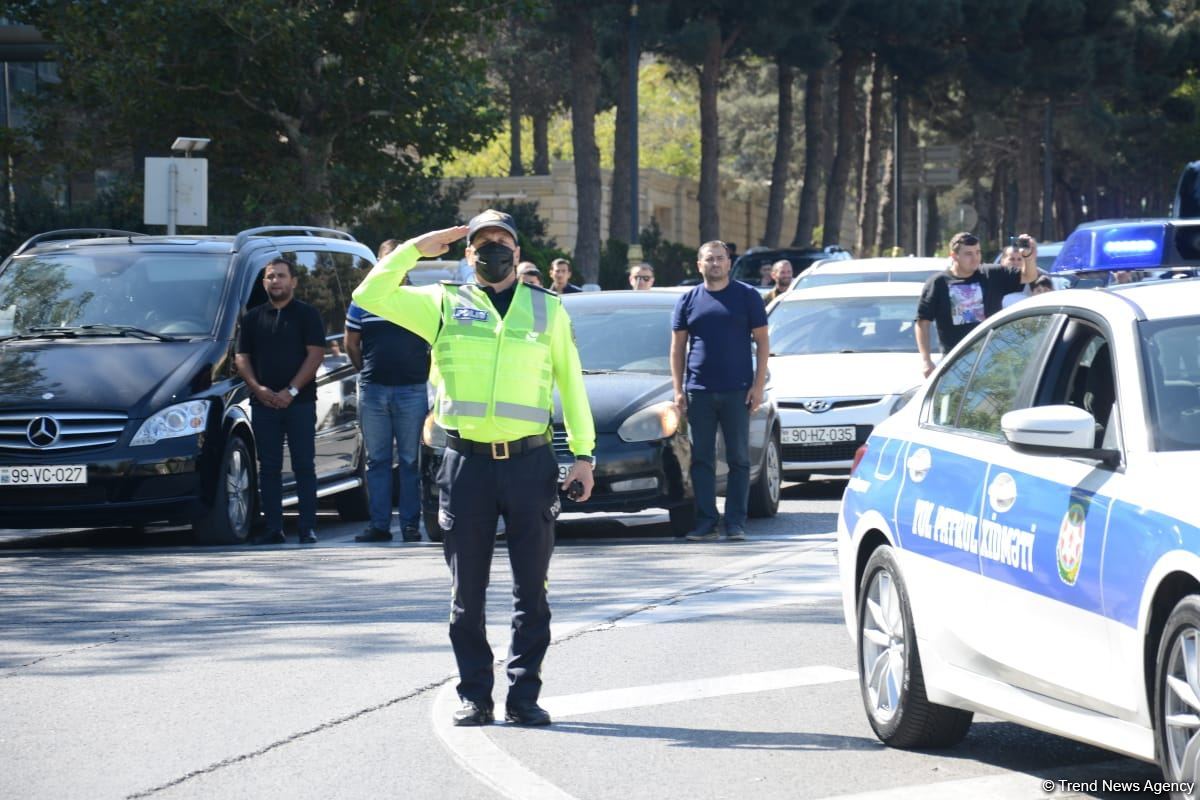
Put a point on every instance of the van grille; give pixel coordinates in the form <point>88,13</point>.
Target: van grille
<point>31,432</point>
<point>559,443</point>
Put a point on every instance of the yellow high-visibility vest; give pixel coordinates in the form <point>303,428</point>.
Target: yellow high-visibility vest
<point>496,380</point>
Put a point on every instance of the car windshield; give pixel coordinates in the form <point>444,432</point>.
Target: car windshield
<point>1172,350</point>
<point>809,280</point>
<point>163,293</point>
<point>845,325</point>
<point>629,339</point>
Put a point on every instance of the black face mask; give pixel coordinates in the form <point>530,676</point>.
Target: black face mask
<point>493,262</point>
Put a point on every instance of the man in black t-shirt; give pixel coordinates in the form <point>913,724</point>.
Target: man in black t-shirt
<point>280,346</point>
<point>964,295</point>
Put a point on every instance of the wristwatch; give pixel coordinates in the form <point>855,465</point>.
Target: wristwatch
<point>589,459</point>
<point>293,391</point>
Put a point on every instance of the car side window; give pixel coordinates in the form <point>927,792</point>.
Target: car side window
<point>1085,379</point>
<point>952,383</point>
<point>1003,373</point>
<point>325,280</point>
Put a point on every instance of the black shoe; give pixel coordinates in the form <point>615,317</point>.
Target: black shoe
<point>308,536</point>
<point>270,537</point>
<point>526,713</point>
<point>472,713</point>
<point>372,534</point>
<point>411,533</point>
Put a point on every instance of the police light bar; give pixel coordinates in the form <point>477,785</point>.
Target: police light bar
<point>1140,245</point>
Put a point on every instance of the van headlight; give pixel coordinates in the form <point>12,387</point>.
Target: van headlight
<point>181,419</point>
<point>653,422</point>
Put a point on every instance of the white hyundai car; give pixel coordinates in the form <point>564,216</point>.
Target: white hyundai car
<point>842,357</point>
<point>1021,538</point>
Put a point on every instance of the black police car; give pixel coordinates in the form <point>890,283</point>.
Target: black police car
<point>119,400</point>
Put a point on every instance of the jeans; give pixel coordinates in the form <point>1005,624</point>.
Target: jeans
<point>298,422</point>
<point>393,413</point>
<point>707,410</point>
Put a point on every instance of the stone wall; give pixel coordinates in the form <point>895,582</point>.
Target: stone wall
<point>674,202</point>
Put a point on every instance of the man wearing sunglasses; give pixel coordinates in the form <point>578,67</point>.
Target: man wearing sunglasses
<point>965,294</point>
<point>641,277</point>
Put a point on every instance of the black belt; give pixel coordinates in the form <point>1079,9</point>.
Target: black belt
<point>498,451</point>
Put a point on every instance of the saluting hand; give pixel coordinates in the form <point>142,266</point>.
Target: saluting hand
<point>435,243</point>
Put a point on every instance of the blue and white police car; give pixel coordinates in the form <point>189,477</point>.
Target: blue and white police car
<point>1022,539</point>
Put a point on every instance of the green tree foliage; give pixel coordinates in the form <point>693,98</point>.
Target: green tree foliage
<point>317,110</point>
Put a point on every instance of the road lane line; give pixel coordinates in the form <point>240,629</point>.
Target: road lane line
<point>480,756</point>
<point>573,705</point>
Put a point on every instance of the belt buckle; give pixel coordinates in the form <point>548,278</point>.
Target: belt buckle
<point>500,451</point>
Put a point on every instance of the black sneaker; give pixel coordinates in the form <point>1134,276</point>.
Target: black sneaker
<point>308,536</point>
<point>526,713</point>
<point>471,714</point>
<point>411,533</point>
<point>372,534</point>
<point>269,537</point>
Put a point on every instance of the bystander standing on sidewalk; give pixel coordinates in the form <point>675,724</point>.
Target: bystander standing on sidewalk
<point>718,384</point>
<point>393,363</point>
<point>641,277</point>
<point>560,277</point>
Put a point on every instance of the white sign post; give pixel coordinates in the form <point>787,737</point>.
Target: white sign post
<point>176,192</point>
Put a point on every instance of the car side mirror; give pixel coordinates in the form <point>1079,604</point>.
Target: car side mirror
<point>1055,430</point>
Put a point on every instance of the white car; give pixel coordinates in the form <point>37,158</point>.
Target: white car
<point>864,270</point>
<point>842,356</point>
<point>1022,539</point>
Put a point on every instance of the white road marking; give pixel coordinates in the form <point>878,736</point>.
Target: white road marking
<point>573,705</point>
<point>479,755</point>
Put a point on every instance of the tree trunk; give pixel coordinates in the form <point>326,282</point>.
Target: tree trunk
<point>868,193</point>
<point>315,155</point>
<point>783,154</point>
<point>514,132</point>
<point>835,190</point>
<point>710,148</point>
<point>620,203</point>
<point>933,222</point>
<point>1029,169</point>
<point>585,89</point>
<point>541,142</point>
<point>883,218</point>
<point>806,217</point>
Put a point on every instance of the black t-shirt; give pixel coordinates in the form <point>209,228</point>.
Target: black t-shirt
<point>957,305</point>
<point>277,340</point>
<point>502,300</point>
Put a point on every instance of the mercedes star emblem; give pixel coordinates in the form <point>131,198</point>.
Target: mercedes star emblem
<point>42,431</point>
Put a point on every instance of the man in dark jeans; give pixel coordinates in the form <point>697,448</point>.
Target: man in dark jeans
<point>712,329</point>
<point>393,365</point>
<point>280,346</point>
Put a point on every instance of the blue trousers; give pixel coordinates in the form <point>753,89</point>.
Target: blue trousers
<point>298,423</point>
<point>728,410</point>
<point>393,414</point>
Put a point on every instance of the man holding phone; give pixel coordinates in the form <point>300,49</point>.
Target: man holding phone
<point>712,329</point>
<point>965,295</point>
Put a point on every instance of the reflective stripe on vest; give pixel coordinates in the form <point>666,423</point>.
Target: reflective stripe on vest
<point>495,377</point>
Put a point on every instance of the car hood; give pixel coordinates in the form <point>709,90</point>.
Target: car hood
<point>118,374</point>
<point>614,396</point>
<point>844,374</point>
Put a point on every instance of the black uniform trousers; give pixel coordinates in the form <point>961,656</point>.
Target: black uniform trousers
<point>475,490</point>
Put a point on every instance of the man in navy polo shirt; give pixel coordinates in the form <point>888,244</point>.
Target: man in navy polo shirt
<point>713,327</point>
<point>393,363</point>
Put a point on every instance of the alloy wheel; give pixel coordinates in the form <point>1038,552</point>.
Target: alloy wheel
<point>882,646</point>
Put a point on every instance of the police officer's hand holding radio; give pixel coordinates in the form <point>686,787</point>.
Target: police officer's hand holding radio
<point>499,351</point>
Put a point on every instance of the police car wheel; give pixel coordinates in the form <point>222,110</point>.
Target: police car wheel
<point>889,666</point>
<point>1177,693</point>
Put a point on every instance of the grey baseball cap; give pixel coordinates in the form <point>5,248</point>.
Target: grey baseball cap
<point>491,218</point>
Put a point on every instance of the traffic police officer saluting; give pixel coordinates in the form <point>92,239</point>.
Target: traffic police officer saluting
<point>499,349</point>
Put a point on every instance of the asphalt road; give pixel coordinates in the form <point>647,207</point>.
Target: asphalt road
<point>136,665</point>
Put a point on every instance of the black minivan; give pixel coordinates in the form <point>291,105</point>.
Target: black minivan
<point>119,400</point>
